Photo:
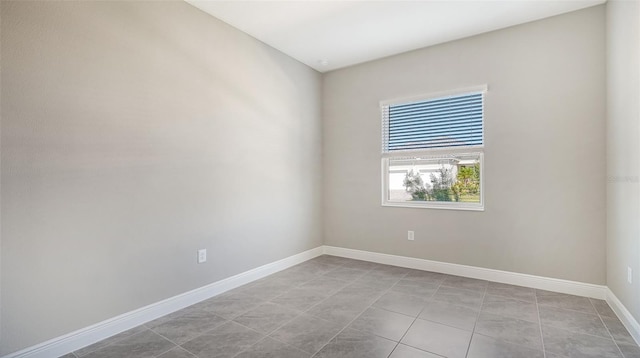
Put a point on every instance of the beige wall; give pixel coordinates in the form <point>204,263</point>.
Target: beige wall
<point>623,151</point>
<point>544,152</point>
<point>133,134</point>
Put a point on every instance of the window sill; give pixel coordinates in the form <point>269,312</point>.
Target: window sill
<point>432,205</point>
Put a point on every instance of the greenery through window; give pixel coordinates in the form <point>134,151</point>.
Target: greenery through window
<point>455,179</point>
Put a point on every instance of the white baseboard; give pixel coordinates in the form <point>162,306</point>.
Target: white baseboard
<point>625,316</point>
<point>105,329</point>
<point>513,278</point>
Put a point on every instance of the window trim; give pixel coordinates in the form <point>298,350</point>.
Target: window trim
<point>386,155</point>
<point>433,95</point>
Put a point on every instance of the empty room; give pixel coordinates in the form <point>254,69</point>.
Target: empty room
<point>298,179</point>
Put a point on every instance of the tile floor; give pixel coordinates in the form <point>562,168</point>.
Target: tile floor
<point>336,307</point>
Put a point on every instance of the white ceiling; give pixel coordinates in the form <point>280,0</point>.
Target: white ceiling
<point>328,35</point>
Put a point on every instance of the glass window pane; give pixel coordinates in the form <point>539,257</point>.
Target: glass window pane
<point>451,178</point>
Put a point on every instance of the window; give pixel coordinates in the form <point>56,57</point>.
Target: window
<point>432,151</point>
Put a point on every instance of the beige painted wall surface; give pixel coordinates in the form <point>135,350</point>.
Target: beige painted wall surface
<point>623,151</point>
<point>133,134</point>
<point>544,151</point>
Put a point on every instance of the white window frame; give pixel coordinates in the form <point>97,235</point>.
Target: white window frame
<point>432,154</point>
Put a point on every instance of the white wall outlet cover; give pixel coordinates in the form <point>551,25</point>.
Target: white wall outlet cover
<point>202,256</point>
<point>410,235</point>
<point>629,275</point>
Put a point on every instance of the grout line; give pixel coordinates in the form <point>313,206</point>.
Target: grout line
<point>607,328</point>
<point>112,343</point>
<point>277,340</point>
<point>226,320</point>
<point>249,328</point>
<point>358,316</point>
<point>305,311</point>
<point>473,331</point>
<point>300,313</point>
<point>394,349</point>
<point>171,348</point>
<point>191,354</point>
<point>417,317</point>
<point>544,350</point>
<point>167,338</point>
<point>411,325</point>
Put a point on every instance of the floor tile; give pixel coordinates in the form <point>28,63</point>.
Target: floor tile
<point>346,273</point>
<point>465,283</point>
<point>177,352</point>
<point>383,323</point>
<point>225,341</point>
<point>94,347</point>
<point>602,307</point>
<point>561,300</point>
<point>146,344</point>
<point>307,332</point>
<point>359,264</point>
<point>618,330</point>
<point>437,338</point>
<point>185,325</point>
<point>425,277</point>
<point>415,288</point>
<point>404,351</point>
<point>269,348</point>
<point>317,267</point>
<point>339,309</point>
<point>629,350</point>
<point>372,280</point>
<point>573,321</point>
<point>401,303</point>
<point>511,330</point>
<point>487,347</point>
<point>294,276</point>
<point>70,355</point>
<point>527,311</point>
<point>300,298</point>
<point>230,305</point>
<point>548,354</point>
<point>325,284</point>
<point>367,294</point>
<point>266,289</point>
<point>576,345</point>
<point>460,297</point>
<point>292,271</point>
<point>387,271</point>
<point>266,317</point>
<point>171,316</point>
<point>356,344</point>
<point>451,315</point>
<point>510,291</point>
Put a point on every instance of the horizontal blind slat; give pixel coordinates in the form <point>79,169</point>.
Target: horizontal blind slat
<point>454,121</point>
<point>438,130</point>
<point>427,124</point>
<point>438,116</point>
<point>439,107</point>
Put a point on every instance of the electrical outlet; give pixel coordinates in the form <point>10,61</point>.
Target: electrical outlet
<point>410,235</point>
<point>202,256</point>
<point>629,275</point>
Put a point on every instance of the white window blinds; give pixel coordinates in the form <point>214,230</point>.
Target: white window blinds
<point>445,122</point>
